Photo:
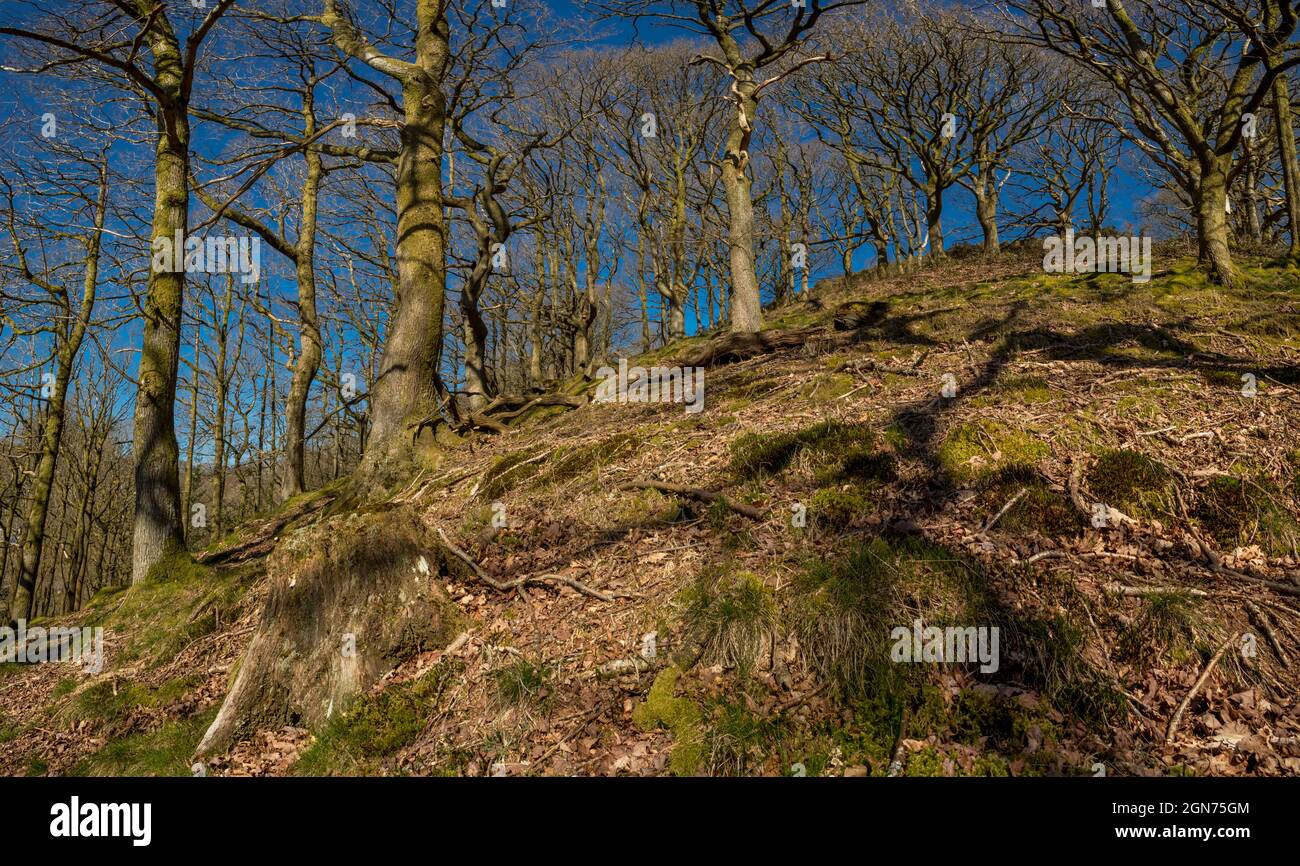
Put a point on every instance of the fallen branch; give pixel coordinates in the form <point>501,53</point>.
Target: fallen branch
<point>1257,616</point>
<point>1011,503</point>
<point>1196,687</point>
<point>694,493</point>
<point>896,765</point>
<point>867,365</point>
<point>1120,589</point>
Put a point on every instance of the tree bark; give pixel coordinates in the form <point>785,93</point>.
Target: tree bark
<point>1212,222</point>
<point>1287,151</point>
<point>746,298</point>
<point>158,528</point>
<point>309,338</point>
<point>406,386</point>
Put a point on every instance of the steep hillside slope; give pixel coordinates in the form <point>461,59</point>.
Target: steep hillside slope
<point>1105,471</point>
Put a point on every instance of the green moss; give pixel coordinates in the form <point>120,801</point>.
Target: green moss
<point>896,436</point>
<point>681,716</point>
<point>1132,482</point>
<point>825,387</point>
<point>177,565</point>
<point>1016,390</point>
<point>1222,378</point>
<point>822,445</point>
<point>975,449</point>
<point>111,700</point>
<point>839,508</point>
<point>159,618</point>
<point>377,726</point>
<point>508,473</point>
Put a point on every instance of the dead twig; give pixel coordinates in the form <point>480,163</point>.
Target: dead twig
<point>1196,687</point>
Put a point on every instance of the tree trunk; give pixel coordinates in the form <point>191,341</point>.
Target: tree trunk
<point>1212,222</point>
<point>986,211</point>
<point>309,339</point>
<point>1290,168</point>
<point>158,529</point>
<point>746,298</point>
<point>933,222</point>
<point>52,435</point>
<point>407,383</point>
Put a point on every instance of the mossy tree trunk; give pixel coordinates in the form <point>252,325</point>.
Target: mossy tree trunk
<point>407,383</point>
<point>70,335</point>
<point>1287,151</point>
<point>158,520</point>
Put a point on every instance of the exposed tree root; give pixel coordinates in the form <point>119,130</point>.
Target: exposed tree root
<point>507,585</point>
<point>495,416</point>
<point>694,493</point>
<point>737,347</point>
<point>260,540</point>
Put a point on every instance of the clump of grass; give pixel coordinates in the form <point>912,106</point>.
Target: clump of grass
<point>1054,658</point>
<point>162,752</point>
<point>1237,511</point>
<point>377,726</point>
<point>755,455</point>
<point>863,468</point>
<point>570,463</point>
<point>1165,628</point>
<point>735,737</point>
<point>1132,482</point>
<point>732,617</point>
<point>521,682</point>
<point>845,610</point>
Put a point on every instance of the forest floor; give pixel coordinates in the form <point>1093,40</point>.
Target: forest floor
<point>952,454</point>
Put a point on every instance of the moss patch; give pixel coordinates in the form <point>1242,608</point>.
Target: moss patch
<point>1132,482</point>
<point>822,445</point>
<point>377,726</point>
<point>975,449</point>
<point>681,716</point>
